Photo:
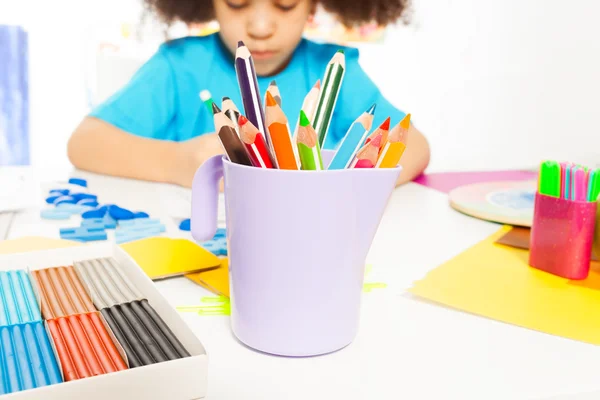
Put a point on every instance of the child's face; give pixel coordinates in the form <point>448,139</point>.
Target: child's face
<point>270,28</point>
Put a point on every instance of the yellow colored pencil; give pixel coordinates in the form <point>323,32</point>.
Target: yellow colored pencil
<point>392,151</point>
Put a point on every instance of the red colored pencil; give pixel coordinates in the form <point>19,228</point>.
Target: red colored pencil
<point>255,143</point>
<point>367,156</point>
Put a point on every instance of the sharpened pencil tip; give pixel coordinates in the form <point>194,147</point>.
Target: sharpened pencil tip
<point>405,123</point>
<point>341,51</point>
<point>242,120</point>
<point>318,84</point>
<point>225,98</point>
<point>270,100</point>
<point>371,110</point>
<point>215,108</point>
<point>241,44</point>
<point>385,125</point>
<point>303,119</point>
<point>273,83</point>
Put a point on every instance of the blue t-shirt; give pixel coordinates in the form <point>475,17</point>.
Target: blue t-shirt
<point>162,100</point>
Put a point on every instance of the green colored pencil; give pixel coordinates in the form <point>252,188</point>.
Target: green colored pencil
<point>549,179</point>
<point>334,74</point>
<point>206,98</point>
<point>308,146</point>
<point>595,186</point>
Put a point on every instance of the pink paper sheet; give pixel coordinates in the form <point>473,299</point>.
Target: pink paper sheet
<point>447,181</point>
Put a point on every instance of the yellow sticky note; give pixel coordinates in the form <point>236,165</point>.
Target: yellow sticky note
<point>215,280</point>
<point>495,281</point>
<point>163,257</point>
<point>33,243</point>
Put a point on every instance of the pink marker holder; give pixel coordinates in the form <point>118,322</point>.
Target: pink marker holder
<point>562,235</point>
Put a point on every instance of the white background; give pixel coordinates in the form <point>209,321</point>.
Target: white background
<point>508,82</point>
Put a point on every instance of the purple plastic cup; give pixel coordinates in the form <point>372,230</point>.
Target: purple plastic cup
<point>297,245</point>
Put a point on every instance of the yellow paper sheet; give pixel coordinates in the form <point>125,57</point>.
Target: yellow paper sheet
<point>495,281</point>
<point>163,257</point>
<point>215,280</point>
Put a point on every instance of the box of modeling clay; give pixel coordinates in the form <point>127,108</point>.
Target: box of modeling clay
<point>86,322</point>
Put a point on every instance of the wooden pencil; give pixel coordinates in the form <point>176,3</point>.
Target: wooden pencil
<point>353,139</point>
<point>247,81</point>
<point>229,138</point>
<point>274,90</point>
<point>231,111</point>
<point>367,156</point>
<point>255,143</point>
<point>309,105</point>
<point>279,134</point>
<point>308,145</point>
<point>383,130</point>
<point>392,151</point>
<point>332,82</point>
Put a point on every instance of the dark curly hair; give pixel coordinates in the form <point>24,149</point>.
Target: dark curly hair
<point>351,13</point>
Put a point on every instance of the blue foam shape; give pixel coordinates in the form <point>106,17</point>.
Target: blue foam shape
<point>140,214</point>
<point>78,181</point>
<point>119,213</point>
<point>97,213</point>
<point>52,199</point>
<point>109,222</point>
<point>55,213</point>
<point>18,302</point>
<point>217,247</point>
<point>88,202</point>
<point>83,235</point>
<point>59,192</point>
<point>185,225</point>
<point>65,199</point>
<point>72,208</point>
<point>81,229</point>
<point>132,237</point>
<point>27,360</point>
<point>92,221</point>
<point>134,230</point>
<point>221,233</point>
<point>139,222</point>
<point>82,196</point>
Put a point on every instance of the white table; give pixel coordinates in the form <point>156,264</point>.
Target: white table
<point>406,348</point>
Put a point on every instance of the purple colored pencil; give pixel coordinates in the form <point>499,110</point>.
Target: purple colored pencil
<point>244,68</point>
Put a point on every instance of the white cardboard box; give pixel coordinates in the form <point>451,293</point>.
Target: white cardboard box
<point>182,379</point>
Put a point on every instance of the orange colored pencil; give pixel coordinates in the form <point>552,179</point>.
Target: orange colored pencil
<point>279,134</point>
<point>391,152</point>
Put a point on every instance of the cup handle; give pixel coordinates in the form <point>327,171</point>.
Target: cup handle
<point>205,199</point>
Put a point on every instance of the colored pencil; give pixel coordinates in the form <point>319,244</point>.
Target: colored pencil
<point>580,184</point>
<point>595,189</point>
<point>274,90</point>
<point>383,130</point>
<point>231,111</point>
<point>206,98</point>
<point>309,106</point>
<point>246,75</point>
<point>279,134</point>
<point>308,145</point>
<point>332,83</point>
<point>393,148</point>
<point>591,178</point>
<point>549,179</point>
<point>255,143</point>
<point>230,140</point>
<point>353,139</point>
<point>367,156</point>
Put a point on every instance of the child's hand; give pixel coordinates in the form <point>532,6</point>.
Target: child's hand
<point>193,153</point>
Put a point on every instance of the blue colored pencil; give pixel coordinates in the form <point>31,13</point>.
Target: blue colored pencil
<point>353,140</point>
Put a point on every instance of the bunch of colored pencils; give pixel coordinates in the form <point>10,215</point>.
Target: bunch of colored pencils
<point>261,137</point>
<point>569,181</point>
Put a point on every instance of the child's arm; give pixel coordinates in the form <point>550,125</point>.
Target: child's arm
<point>98,146</point>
